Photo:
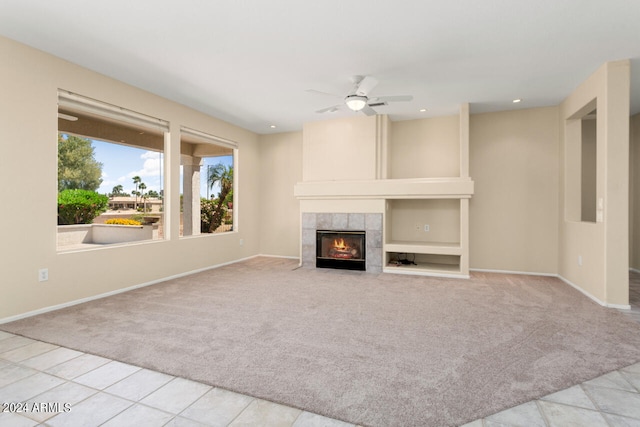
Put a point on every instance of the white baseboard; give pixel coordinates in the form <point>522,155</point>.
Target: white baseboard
<point>279,256</point>
<point>524,273</point>
<point>117,291</point>
<point>396,270</point>
<point>587,294</point>
<point>619,306</point>
<point>568,282</point>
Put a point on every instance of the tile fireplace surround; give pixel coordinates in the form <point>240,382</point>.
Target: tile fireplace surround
<point>371,223</point>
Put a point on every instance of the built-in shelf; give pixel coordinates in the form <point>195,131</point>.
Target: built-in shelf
<point>427,269</point>
<point>427,235</point>
<point>436,248</point>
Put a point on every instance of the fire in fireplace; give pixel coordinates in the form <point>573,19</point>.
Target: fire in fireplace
<point>340,249</point>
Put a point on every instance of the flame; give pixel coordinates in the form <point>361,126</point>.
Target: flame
<point>340,244</point>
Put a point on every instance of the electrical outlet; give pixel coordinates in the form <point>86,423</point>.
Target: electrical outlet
<point>241,242</point>
<point>43,274</point>
<point>580,260</point>
<point>426,227</point>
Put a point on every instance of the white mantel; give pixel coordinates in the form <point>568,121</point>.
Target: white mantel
<point>418,188</point>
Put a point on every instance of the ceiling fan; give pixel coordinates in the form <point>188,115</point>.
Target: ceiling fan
<point>358,99</point>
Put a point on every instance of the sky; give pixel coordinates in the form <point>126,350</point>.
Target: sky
<point>120,163</point>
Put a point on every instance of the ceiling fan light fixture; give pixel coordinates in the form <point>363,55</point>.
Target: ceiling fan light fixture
<point>356,102</point>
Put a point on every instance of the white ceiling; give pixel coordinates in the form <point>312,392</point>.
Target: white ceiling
<point>252,62</point>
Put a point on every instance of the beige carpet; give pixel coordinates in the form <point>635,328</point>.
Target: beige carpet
<point>376,350</point>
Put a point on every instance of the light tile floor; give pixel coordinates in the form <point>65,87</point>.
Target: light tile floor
<point>63,387</point>
<point>43,378</point>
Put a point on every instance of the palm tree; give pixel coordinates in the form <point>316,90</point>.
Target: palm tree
<point>136,193</point>
<point>136,180</point>
<point>117,190</point>
<point>222,175</point>
<point>142,186</point>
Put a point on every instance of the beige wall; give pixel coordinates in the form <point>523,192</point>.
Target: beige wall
<point>513,213</point>
<point>280,170</point>
<point>340,149</point>
<point>425,148</point>
<point>603,246</point>
<point>28,166</point>
<point>634,225</point>
<point>407,219</point>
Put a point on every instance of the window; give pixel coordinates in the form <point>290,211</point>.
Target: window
<point>208,182</point>
<point>114,158</point>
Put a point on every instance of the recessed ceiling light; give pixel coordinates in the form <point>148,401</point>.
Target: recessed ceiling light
<point>515,101</point>
<point>272,126</point>
<point>422,110</point>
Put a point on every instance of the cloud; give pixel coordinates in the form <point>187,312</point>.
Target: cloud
<point>152,166</point>
<point>150,173</point>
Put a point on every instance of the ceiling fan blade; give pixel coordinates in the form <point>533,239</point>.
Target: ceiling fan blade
<point>329,109</point>
<point>369,111</point>
<point>397,98</point>
<point>318,92</point>
<point>365,86</point>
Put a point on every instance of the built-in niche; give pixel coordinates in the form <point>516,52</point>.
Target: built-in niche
<point>589,167</point>
<point>581,165</point>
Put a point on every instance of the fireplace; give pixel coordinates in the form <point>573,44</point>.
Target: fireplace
<point>371,223</point>
<point>341,249</point>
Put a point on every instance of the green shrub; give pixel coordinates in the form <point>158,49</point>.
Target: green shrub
<point>207,209</point>
<point>138,217</point>
<point>122,221</point>
<point>212,215</point>
<point>80,206</point>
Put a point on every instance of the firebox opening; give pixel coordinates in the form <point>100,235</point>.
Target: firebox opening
<point>340,249</point>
